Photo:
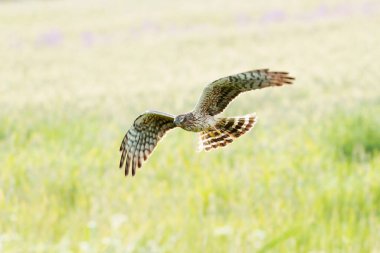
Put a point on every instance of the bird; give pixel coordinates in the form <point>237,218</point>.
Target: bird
<point>148,128</point>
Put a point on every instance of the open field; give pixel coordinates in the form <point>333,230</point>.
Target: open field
<point>73,76</point>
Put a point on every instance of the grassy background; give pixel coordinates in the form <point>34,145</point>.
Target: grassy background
<point>74,75</point>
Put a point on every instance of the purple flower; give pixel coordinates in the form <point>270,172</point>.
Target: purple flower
<point>88,38</point>
<point>50,38</point>
<point>273,16</point>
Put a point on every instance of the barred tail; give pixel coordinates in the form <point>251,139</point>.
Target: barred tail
<point>226,131</point>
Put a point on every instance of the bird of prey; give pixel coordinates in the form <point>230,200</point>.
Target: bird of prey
<point>151,126</point>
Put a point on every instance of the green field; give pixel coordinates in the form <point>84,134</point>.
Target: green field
<point>74,75</point>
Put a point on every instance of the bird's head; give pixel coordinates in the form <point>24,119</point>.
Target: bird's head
<point>180,119</point>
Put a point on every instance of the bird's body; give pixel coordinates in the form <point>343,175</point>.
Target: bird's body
<point>194,122</point>
<point>150,127</point>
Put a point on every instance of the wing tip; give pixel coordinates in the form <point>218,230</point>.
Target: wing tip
<point>279,78</point>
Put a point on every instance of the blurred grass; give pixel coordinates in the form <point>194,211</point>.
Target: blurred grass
<point>73,76</point>
<point>355,134</point>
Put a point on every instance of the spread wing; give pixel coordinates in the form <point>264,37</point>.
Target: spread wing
<point>142,138</point>
<point>218,94</point>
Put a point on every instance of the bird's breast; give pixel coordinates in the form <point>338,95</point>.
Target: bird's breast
<point>199,124</point>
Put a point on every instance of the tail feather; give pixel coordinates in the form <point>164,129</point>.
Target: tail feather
<point>226,131</point>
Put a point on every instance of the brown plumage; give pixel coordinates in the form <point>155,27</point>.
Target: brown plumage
<point>151,126</point>
<point>226,130</point>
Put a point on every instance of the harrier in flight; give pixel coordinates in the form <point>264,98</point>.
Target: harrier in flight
<point>151,126</point>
